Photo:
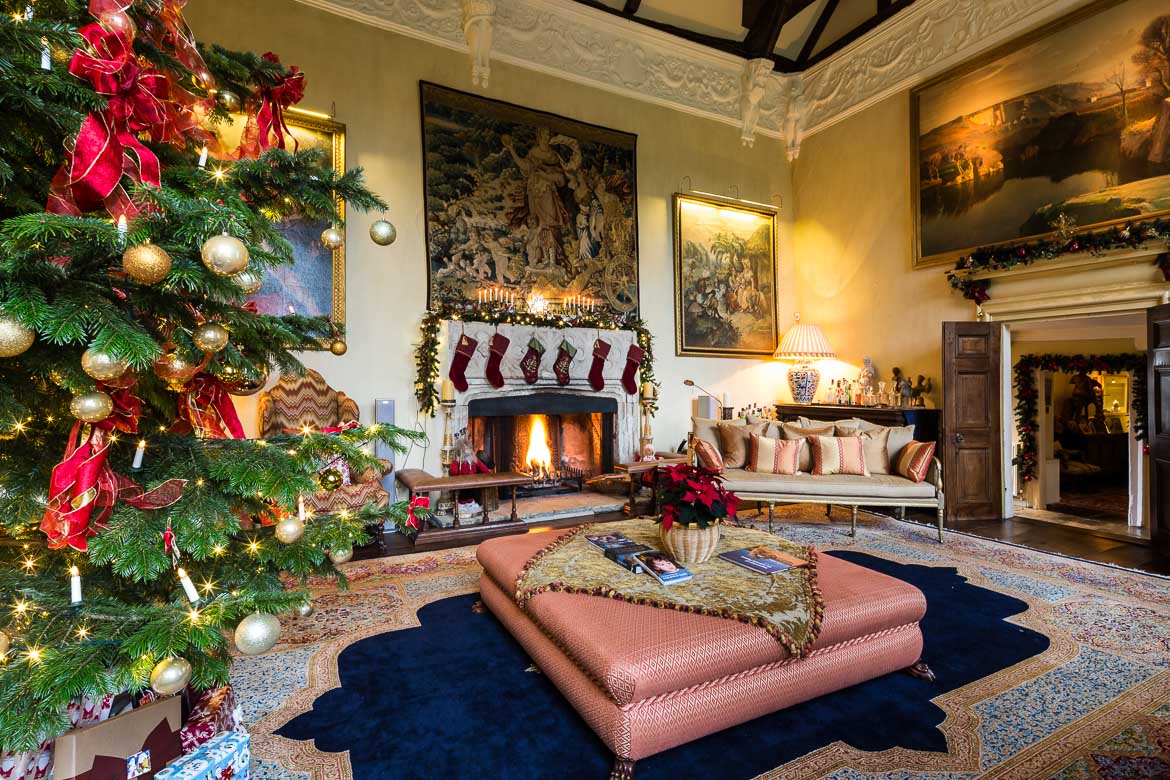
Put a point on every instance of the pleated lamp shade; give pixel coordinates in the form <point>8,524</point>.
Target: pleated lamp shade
<point>804,342</point>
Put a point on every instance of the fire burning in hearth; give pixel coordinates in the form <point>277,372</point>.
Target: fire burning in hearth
<point>539,456</point>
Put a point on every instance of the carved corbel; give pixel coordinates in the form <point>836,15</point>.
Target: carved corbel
<point>478,21</point>
<point>795,115</point>
<point>753,84</point>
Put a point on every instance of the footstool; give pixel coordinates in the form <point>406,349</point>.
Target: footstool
<point>647,679</point>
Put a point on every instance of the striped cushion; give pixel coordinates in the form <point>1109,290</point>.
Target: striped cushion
<point>914,460</point>
<point>709,456</point>
<point>838,455</point>
<point>774,456</point>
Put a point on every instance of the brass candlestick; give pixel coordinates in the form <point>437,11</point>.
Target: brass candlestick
<point>447,453</point>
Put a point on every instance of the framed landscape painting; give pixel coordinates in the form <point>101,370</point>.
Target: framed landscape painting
<point>1066,129</point>
<point>520,201</point>
<point>725,277</point>
<point>313,286</point>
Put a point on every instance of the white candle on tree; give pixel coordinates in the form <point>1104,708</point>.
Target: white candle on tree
<point>139,452</point>
<point>188,586</point>
<point>203,157</point>
<point>74,585</point>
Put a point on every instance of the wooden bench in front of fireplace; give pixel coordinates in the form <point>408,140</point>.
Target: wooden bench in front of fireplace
<point>417,481</point>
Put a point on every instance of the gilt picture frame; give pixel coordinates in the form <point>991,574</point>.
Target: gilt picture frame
<point>522,202</point>
<point>1063,130</point>
<point>313,285</point>
<point>725,284</point>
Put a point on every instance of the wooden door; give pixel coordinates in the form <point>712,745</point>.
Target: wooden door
<point>1159,425</point>
<point>971,438</point>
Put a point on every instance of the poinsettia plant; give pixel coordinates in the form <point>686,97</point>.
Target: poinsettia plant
<point>693,496</point>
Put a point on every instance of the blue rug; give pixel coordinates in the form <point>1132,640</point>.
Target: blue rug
<point>452,698</point>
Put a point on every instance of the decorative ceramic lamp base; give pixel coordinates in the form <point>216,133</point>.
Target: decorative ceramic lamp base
<point>803,381</point>
<point>691,544</point>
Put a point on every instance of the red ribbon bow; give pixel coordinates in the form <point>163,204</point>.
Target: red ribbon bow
<point>418,502</point>
<point>268,121</point>
<point>107,146</point>
<point>207,406</point>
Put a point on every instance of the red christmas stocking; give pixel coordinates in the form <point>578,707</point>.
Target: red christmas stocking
<point>565,354</point>
<point>530,363</point>
<point>630,374</point>
<point>496,352</point>
<point>600,353</point>
<point>463,354</point>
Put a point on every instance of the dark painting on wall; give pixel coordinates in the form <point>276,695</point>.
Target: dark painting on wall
<point>725,277</point>
<point>314,285</point>
<point>1067,129</point>
<point>522,202</point>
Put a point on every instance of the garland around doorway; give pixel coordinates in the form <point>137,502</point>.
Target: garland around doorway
<point>1027,395</point>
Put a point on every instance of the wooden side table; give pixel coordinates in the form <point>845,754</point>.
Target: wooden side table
<point>638,469</point>
<point>418,481</point>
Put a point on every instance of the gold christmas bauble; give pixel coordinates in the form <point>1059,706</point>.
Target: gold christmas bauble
<point>174,369</point>
<point>15,338</point>
<point>91,407</point>
<point>210,337</point>
<point>330,479</point>
<point>225,255</point>
<point>146,263</point>
<point>238,384</point>
<point>383,232</point>
<point>229,100</point>
<point>257,633</point>
<point>341,555</point>
<point>102,365</point>
<point>170,676</point>
<point>290,529</point>
<point>248,281</point>
<point>338,346</point>
<point>331,238</point>
<point>305,610</point>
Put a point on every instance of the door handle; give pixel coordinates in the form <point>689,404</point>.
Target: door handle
<point>959,438</point>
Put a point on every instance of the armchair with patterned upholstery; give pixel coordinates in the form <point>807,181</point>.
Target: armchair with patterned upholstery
<point>297,401</point>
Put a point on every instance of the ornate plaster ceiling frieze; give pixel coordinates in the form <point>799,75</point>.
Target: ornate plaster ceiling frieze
<point>917,44</point>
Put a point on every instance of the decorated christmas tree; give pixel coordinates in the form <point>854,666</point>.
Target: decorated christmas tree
<point>141,534</point>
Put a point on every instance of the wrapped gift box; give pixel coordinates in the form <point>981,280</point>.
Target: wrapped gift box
<point>226,756</point>
<point>213,711</point>
<point>148,736</point>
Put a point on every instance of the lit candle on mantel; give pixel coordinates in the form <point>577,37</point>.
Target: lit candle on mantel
<point>649,392</point>
<point>448,393</point>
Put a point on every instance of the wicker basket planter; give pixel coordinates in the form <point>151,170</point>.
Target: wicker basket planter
<point>690,544</point>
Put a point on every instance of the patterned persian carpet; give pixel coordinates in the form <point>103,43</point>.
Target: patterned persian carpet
<point>1047,667</point>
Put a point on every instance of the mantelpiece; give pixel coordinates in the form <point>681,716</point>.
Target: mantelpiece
<point>627,417</point>
<point>1077,286</point>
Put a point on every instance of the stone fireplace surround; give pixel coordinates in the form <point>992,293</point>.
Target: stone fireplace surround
<point>627,417</point>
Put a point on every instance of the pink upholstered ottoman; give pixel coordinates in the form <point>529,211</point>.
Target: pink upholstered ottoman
<point>648,679</point>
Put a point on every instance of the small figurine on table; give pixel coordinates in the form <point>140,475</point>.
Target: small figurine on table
<point>868,376</point>
<point>921,389</point>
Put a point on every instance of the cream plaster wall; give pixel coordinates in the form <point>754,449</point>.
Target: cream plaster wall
<point>372,77</point>
<point>853,235</point>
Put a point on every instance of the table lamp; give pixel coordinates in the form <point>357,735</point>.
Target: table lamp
<point>801,344</point>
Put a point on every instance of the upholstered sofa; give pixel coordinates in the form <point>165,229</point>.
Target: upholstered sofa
<point>853,491</point>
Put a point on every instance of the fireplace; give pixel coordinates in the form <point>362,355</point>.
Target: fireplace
<point>560,439</point>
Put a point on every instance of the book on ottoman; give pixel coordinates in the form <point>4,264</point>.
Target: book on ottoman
<point>226,756</point>
<point>135,744</point>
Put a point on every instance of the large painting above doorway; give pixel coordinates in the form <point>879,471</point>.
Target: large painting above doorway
<point>520,201</point>
<point>1066,129</point>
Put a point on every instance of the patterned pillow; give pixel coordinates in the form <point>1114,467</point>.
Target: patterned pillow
<point>709,456</point>
<point>774,456</point>
<point>874,444</point>
<point>838,455</point>
<point>733,443</point>
<point>914,460</point>
<point>708,430</point>
<point>791,431</point>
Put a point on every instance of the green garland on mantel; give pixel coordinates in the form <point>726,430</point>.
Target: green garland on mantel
<point>426,354</point>
<point>1027,395</point>
<point>1131,235</point>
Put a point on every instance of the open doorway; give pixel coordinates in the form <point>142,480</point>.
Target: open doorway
<point>1083,467</point>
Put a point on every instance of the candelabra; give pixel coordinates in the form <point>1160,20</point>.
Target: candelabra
<point>649,395</point>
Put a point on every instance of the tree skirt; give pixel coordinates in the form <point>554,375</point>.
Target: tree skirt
<point>1046,667</point>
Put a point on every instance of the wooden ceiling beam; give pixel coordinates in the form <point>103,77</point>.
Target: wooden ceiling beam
<point>885,11</point>
<point>631,7</point>
<point>814,34</point>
